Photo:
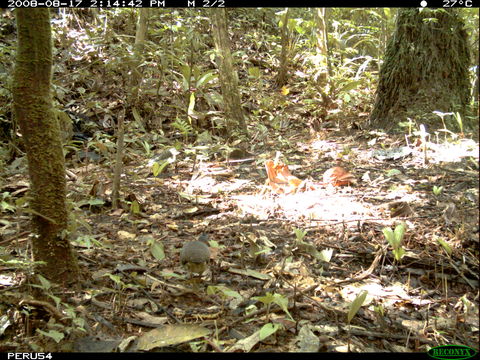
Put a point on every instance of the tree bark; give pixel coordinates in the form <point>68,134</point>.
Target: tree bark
<point>228,75</point>
<point>41,135</point>
<point>425,69</point>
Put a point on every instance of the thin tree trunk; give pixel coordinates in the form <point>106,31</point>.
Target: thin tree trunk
<point>118,161</point>
<point>228,75</point>
<point>322,45</point>
<point>282,71</point>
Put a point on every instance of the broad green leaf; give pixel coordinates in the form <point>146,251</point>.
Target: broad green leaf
<point>350,86</point>
<point>157,251</point>
<point>388,233</point>
<point>356,305</point>
<point>186,72</point>
<point>282,301</point>
<point>230,293</point>
<point>155,168</point>
<point>94,202</point>
<point>268,298</point>
<point>220,289</point>
<point>55,335</point>
<point>206,78</point>
<point>115,278</point>
<point>158,168</point>
<point>399,233</point>
<point>267,330</point>
<point>171,335</point>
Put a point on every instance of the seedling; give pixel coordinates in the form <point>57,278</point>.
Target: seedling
<point>278,299</point>
<point>437,190</point>
<point>395,239</point>
<point>356,305</point>
<point>300,234</point>
<point>268,329</point>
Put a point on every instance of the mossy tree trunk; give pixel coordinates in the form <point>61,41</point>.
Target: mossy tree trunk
<point>41,134</point>
<point>425,69</point>
<point>228,75</point>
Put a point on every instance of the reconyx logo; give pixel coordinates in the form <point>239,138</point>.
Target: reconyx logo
<point>447,352</point>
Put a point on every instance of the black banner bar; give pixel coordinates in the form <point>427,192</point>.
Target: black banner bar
<point>237,3</point>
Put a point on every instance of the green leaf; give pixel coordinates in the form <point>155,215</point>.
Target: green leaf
<point>206,78</point>
<point>356,305</point>
<point>299,233</point>
<point>230,293</point>
<point>398,253</point>
<point>115,278</point>
<point>267,330</point>
<point>186,74</point>
<point>46,285</point>
<point>399,233</point>
<point>282,301</point>
<point>158,168</point>
<point>155,168</point>
<point>393,172</point>
<point>388,233</point>
<point>6,206</point>
<point>157,251</point>
<point>254,72</point>
<point>56,299</point>
<point>445,245</point>
<point>94,202</point>
<point>350,86</point>
<point>55,335</point>
<point>225,291</point>
<point>268,298</point>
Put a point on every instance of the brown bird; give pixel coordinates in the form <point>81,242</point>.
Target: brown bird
<point>195,255</point>
<point>338,176</point>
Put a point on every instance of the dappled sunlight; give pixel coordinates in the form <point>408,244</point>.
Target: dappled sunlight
<point>317,205</point>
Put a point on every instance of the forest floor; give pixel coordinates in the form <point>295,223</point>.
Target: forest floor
<point>288,271</point>
<point>266,275</point>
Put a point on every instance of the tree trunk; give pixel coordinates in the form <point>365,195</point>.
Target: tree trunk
<point>228,75</point>
<point>319,15</point>
<point>425,69</point>
<point>41,134</point>
<point>282,71</point>
<point>140,34</point>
